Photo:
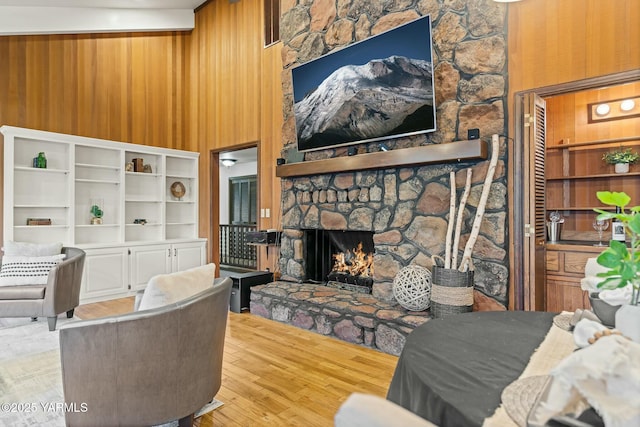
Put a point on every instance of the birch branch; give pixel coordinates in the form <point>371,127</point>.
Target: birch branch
<point>486,187</point>
<point>463,203</point>
<point>452,216</point>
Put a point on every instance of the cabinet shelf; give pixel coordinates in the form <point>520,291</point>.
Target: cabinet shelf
<point>148,224</point>
<point>579,208</point>
<point>97,225</point>
<point>40,170</point>
<point>594,176</point>
<point>183,202</point>
<point>178,176</point>
<point>142,201</point>
<point>181,223</point>
<point>588,143</point>
<point>154,175</point>
<point>94,166</point>
<point>41,206</point>
<point>29,227</point>
<point>98,181</point>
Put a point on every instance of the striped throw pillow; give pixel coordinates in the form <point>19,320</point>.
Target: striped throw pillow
<point>21,270</point>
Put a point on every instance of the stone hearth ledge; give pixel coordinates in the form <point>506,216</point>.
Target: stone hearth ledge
<point>350,316</point>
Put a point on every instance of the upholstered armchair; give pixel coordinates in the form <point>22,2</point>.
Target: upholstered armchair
<point>60,293</point>
<point>147,367</point>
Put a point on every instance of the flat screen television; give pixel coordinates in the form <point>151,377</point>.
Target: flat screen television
<point>375,89</point>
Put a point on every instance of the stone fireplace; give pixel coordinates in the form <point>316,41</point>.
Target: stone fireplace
<point>407,212</point>
<point>406,208</point>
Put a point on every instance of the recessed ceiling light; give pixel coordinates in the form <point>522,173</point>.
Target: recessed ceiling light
<point>627,105</point>
<point>603,109</point>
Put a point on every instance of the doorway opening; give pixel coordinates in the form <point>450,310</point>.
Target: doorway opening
<point>530,178</point>
<point>237,173</point>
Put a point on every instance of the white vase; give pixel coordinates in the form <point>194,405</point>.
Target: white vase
<point>621,167</point>
<point>628,321</point>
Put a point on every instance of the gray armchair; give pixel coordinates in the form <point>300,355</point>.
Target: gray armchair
<point>146,367</point>
<point>60,294</point>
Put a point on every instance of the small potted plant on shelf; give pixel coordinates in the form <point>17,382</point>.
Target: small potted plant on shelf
<point>621,158</point>
<point>96,214</point>
<point>623,262</point>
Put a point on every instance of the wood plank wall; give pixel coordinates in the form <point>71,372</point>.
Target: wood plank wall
<point>237,102</point>
<point>124,87</point>
<point>213,88</point>
<point>218,87</point>
<point>552,42</point>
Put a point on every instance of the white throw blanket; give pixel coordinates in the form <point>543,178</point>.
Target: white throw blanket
<point>606,375</point>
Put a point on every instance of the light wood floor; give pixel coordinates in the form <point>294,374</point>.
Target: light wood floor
<point>279,375</point>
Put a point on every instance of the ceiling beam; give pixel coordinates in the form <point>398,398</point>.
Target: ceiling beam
<point>19,20</point>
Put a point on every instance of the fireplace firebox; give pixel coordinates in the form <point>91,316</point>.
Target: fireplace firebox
<point>340,258</point>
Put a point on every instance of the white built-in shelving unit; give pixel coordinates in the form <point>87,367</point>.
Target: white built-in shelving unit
<point>122,252</point>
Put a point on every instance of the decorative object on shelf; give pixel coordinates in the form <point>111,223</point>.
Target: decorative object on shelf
<point>140,221</point>
<point>178,190</point>
<point>138,165</point>
<point>600,225</point>
<point>128,167</point>
<point>147,169</point>
<point>40,161</point>
<point>38,221</point>
<point>553,226</point>
<point>623,262</point>
<point>96,211</point>
<point>412,288</point>
<point>621,158</point>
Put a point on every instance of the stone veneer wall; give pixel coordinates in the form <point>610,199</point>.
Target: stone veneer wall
<point>407,208</point>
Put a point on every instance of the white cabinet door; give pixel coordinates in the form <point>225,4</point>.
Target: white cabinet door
<point>148,261</point>
<point>106,274</point>
<point>188,255</point>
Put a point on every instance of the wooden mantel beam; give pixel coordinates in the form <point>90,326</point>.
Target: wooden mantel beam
<point>422,155</point>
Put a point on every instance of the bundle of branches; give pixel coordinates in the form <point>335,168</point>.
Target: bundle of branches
<point>451,247</point>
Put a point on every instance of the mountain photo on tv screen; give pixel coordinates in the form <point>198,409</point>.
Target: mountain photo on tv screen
<point>375,89</point>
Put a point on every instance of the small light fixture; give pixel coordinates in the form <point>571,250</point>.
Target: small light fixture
<point>228,162</point>
<point>627,105</point>
<point>614,109</point>
<point>383,147</point>
<point>603,109</point>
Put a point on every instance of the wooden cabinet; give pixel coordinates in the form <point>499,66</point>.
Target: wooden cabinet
<point>575,171</point>
<point>146,227</point>
<point>117,271</point>
<point>564,269</point>
<point>106,274</point>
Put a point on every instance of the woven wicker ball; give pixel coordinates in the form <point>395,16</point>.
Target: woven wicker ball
<point>412,288</point>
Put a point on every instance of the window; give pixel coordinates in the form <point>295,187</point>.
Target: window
<point>243,194</point>
<point>271,22</point>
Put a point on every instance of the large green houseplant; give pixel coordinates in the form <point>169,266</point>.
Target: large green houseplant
<point>623,262</point>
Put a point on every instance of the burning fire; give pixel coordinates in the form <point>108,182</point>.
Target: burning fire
<point>357,263</point>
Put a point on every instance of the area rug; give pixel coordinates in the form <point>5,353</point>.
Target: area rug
<point>30,375</point>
